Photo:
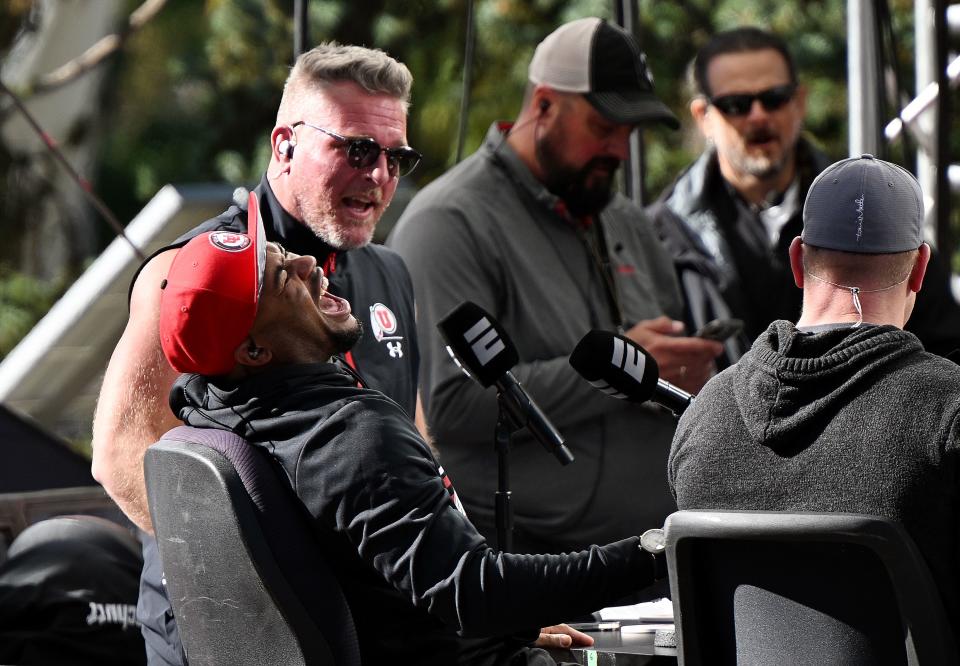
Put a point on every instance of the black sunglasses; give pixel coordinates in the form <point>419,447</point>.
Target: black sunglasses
<point>363,152</point>
<point>739,104</point>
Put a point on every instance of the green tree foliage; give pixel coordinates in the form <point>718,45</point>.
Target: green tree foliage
<point>23,300</point>
<point>193,95</point>
<point>197,89</point>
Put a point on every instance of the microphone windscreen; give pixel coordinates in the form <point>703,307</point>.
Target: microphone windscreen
<point>477,340</point>
<point>616,365</point>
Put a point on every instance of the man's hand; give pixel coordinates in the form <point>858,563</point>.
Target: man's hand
<point>562,636</point>
<point>684,361</point>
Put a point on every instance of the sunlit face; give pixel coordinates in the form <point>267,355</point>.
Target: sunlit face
<point>579,153</point>
<point>297,318</point>
<point>340,204</point>
<point>760,143</point>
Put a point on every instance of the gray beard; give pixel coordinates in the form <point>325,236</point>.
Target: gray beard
<point>763,168</point>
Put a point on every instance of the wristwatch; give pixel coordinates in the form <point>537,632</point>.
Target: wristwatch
<point>654,542</point>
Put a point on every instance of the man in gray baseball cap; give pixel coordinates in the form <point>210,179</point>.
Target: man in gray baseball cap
<point>844,410</point>
<point>862,233</point>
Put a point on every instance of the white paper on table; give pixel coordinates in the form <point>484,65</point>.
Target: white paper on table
<point>649,611</point>
<point>645,628</point>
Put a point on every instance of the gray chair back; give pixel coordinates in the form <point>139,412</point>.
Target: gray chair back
<point>244,569</point>
<point>752,588</point>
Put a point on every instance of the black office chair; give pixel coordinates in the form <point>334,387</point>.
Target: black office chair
<point>753,588</point>
<point>235,543</point>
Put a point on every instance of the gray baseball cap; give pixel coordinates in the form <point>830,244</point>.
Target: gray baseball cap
<point>863,204</point>
<point>604,63</point>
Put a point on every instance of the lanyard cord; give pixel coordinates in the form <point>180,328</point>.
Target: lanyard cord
<point>600,255</point>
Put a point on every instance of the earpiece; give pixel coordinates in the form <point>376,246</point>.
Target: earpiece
<point>253,352</point>
<point>285,148</point>
<point>544,105</point>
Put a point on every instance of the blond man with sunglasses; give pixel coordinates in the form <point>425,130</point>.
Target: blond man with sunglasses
<point>338,148</point>
<point>729,217</point>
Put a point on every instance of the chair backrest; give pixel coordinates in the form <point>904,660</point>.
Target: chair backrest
<point>819,588</point>
<point>244,569</point>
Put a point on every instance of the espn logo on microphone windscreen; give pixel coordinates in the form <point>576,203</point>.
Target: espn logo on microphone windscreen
<point>484,341</point>
<point>615,365</point>
<point>629,359</point>
<point>478,344</point>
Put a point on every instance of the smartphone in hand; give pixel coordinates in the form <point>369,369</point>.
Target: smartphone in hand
<point>720,329</point>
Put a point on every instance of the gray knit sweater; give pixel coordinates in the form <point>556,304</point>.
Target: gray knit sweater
<point>855,420</point>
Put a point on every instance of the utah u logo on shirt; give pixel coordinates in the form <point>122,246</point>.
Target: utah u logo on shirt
<point>384,324</point>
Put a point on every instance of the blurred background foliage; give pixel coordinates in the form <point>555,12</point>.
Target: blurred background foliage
<point>192,96</point>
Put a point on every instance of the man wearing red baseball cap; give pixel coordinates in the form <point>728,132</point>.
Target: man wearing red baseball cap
<point>213,308</point>
<point>254,327</point>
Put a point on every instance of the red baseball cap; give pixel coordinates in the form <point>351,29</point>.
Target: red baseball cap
<point>210,296</point>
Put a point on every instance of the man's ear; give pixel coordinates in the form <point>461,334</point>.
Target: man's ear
<point>920,268</point>
<point>698,109</point>
<point>249,354</point>
<point>282,142</point>
<point>796,261</point>
<point>543,101</point>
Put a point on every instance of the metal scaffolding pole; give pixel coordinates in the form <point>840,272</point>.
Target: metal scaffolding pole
<point>627,17</point>
<point>926,73</point>
<point>862,77</point>
<point>300,28</point>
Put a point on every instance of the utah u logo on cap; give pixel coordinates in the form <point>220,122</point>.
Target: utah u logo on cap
<point>230,241</point>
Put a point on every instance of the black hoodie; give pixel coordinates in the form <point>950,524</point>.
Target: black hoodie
<point>851,420</point>
<point>419,578</point>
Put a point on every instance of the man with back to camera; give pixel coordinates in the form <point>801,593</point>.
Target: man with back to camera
<point>338,150</point>
<point>422,584</point>
<point>528,228</point>
<point>730,216</point>
<point>844,411</point>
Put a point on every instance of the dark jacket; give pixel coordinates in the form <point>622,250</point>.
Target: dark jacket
<point>421,582</point>
<point>719,244</point>
<point>850,420</point>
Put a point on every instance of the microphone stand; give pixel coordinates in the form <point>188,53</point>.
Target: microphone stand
<point>505,427</point>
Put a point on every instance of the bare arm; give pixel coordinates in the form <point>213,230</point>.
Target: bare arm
<point>132,410</point>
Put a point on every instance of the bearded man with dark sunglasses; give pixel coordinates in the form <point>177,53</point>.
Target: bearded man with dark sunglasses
<point>728,219</point>
<point>337,151</point>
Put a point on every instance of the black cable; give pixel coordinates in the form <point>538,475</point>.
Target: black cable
<point>470,40</point>
<point>81,182</point>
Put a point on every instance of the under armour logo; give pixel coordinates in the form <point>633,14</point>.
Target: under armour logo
<point>395,349</point>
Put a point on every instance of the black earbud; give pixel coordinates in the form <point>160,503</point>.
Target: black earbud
<point>544,105</point>
<point>253,352</point>
<point>285,148</point>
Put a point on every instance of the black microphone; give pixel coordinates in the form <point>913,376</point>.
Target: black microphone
<point>482,349</point>
<point>621,368</point>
